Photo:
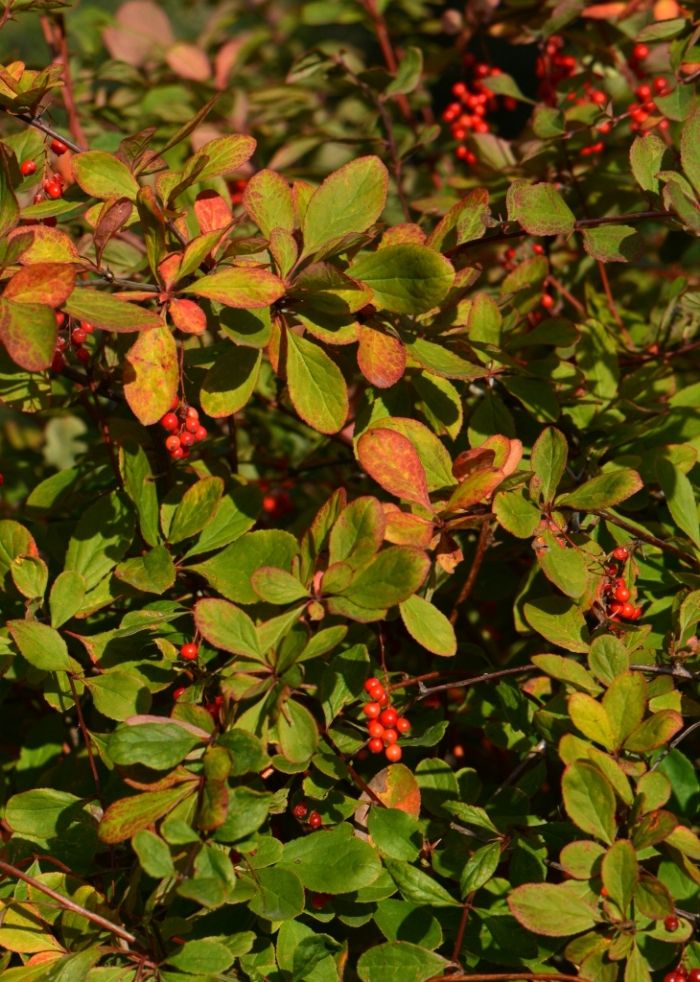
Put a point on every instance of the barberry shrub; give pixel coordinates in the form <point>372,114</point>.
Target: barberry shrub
<point>349,556</point>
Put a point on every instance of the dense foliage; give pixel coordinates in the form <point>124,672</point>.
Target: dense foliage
<point>349,555</point>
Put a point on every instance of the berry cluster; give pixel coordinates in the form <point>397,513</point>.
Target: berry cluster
<point>236,189</point>
<point>552,67</point>
<point>71,342</point>
<point>183,431</point>
<point>384,726</point>
<point>213,707</point>
<point>473,101</point>
<point>616,590</point>
<point>301,813</point>
<point>681,974</point>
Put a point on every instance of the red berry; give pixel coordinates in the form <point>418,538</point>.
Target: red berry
<point>403,725</point>
<point>2,480</point>
<point>189,651</point>
<point>191,425</point>
<point>371,710</point>
<point>375,728</point>
<point>178,453</point>
<point>375,745</point>
<point>621,554</point>
<point>538,249</point>
<point>78,335</point>
<point>187,439</point>
<point>319,900</point>
<point>621,593</point>
<point>83,355</point>
<point>615,609</point>
<point>59,317</point>
<point>58,363</point>
<point>547,301</point>
<point>87,327</point>
<point>390,736</point>
<point>640,52</point>
<point>28,167</point>
<point>671,923</point>
<point>388,717</point>
<point>371,684</point>
<point>393,753</point>
<point>170,422</point>
<point>53,189</point>
<point>628,611</point>
<point>300,811</point>
<point>315,820</point>
<point>383,698</point>
<point>192,413</point>
<point>58,147</point>
<point>172,442</point>
<point>200,434</point>
<point>694,975</point>
<point>660,85</point>
<point>180,691</point>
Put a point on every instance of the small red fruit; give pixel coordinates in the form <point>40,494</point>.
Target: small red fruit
<point>187,439</point>
<point>375,728</point>
<point>170,422</point>
<point>175,403</point>
<point>191,424</point>
<point>53,189</point>
<point>547,301</point>
<point>388,717</point>
<point>375,745</point>
<point>28,167</point>
<point>371,684</point>
<point>393,753</point>
<point>58,362</point>
<point>390,736</point>
<point>319,900</point>
<point>58,147</point>
<point>59,317</point>
<point>87,327</point>
<point>671,923</point>
<point>403,725</point>
<point>640,52</point>
<point>315,820</point>
<point>189,651</point>
<point>628,611</point>
<point>192,413</point>
<point>180,691</point>
<point>621,593</point>
<point>83,355</point>
<point>177,454</point>
<point>78,335</point>
<point>172,442</point>
<point>200,434</point>
<point>621,554</point>
<point>371,710</point>
<point>300,811</point>
<point>694,975</point>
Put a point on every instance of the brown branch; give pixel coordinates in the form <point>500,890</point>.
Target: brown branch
<point>43,127</point>
<point>55,33</point>
<point>67,904</point>
<point>86,736</point>
<point>475,679</point>
<point>382,34</point>
<point>463,921</point>
<point>359,781</point>
<point>647,537</point>
<point>481,547</point>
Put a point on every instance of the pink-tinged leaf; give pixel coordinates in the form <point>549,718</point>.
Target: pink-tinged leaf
<point>187,316</point>
<point>49,245</point>
<point>380,357</point>
<point>44,283</point>
<point>28,331</point>
<point>225,155</point>
<point>405,234</point>
<point>109,312</point>
<point>225,59</point>
<point>470,461</point>
<point>268,200</point>
<point>508,453</point>
<point>188,61</point>
<point>605,11</point>
<point>391,459</point>
<point>114,214</point>
<point>239,286</point>
<point>141,26</point>
<point>474,489</point>
<point>169,269</point>
<point>151,375</point>
<point>404,529</point>
<point>213,212</point>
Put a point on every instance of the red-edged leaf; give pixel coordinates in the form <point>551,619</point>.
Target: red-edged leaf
<point>225,155</point>
<point>474,489</point>
<point>45,283</point>
<point>187,316</point>
<point>268,200</point>
<point>110,313</point>
<point>404,529</point>
<point>391,459</point>
<point>151,375</point>
<point>28,331</point>
<point>380,357</point>
<point>212,211</point>
<point>48,245</point>
<point>188,61</point>
<point>239,286</point>
<point>114,214</point>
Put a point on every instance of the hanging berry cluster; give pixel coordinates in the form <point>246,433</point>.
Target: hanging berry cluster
<point>71,341</point>
<point>385,726</point>
<point>301,813</point>
<point>617,588</point>
<point>552,68</point>
<point>680,973</point>
<point>183,431</point>
<point>473,102</point>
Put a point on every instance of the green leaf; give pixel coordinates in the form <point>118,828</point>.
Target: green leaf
<point>151,375</point>
<point>358,533</point>
<point>604,491</point>
<point>567,670</point>
<point>428,626</point>
<point>125,817</point>
<point>654,732</point>
<point>28,331</point>
<point>280,895</point>
<point>480,868</point>
<point>652,898</point>
<point>230,382</point>
<point>101,538</point>
<point>408,74</point>
<point>464,222</point>
<point>110,313</point>
<point>139,484</point>
<point>42,812</point>
<point>646,156</point>
<point>9,208</point>
<point>549,455</point>
<point>102,175</point>
<point>42,646</point>
<point>239,286</point>
<point>316,385</point>
<point>551,909</point>
<point>625,702</point>
<point>680,497</point>
<point>418,887</point>
<point>613,243</point>
<point>202,955</point>
<point>152,572</point>
<point>227,627</point>
<point>333,861</point>
<point>230,570</point>
<point>349,200</point>
<point>505,85</point>
<point>224,155</point>
<point>516,513</point>
<point>608,658</point>
<point>620,873</point>
<point>66,598</point>
<point>196,508</point>
<point>539,208</point>
<point>119,694</point>
<point>297,732</point>
<point>30,575</point>
<point>394,463</point>
<point>559,620</point>
<point>277,586</point>
<point>589,800</point>
<point>41,283</point>
<point>156,745</point>
<point>406,279</point>
<point>248,809</point>
<point>153,853</point>
<point>394,833</point>
<point>564,566</point>
<point>690,148</point>
<point>591,719</point>
<point>442,361</point>
<point>268,200</point>
<point>399,961</point>
<point>392,577</point>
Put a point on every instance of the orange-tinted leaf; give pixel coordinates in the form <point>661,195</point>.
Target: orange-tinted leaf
<point>397,787</point>
<point>470,461</point>
<point>404,529</point>
<point>391,459</point>
<point>151,375</point>
<point>187,316</point>
<point>212,211</point>
<point>188,61</point>
<point>169,269</point>
<point>28,331</point>
<point>45,283</point>
<point>508,453</point>
<point>125,817</point>
<point>239,286</point>
<point>380,357</point>
<point>474,489</point>
<point>141,27</point>
<point>49,245</point>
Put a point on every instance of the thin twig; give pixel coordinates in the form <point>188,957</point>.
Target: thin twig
<point>43,127</point>
<point>359,781</point>
<point>463,921</point>
<point>86,736</point>
<point>476,679</point>
<point>481,547</point>
<point>647,537</point>
<point>66,903</point>
<point>382,34</point>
